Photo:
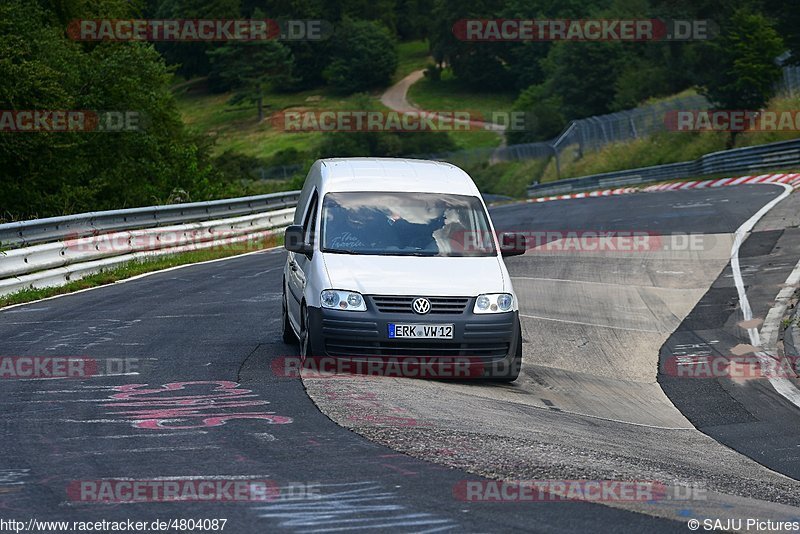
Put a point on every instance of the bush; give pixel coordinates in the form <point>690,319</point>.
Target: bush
<point>234,166</point>
<point>384,144</point>
<point>364,57</point>
<point>288,156</point>
<point>544,116</point>
<point>433,72</point>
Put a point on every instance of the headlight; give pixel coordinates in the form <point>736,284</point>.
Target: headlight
<point>494,303</point>
<point>342,300</point>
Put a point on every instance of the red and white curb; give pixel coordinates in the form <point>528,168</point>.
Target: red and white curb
<point>603,193</point>
<point>792,179</point>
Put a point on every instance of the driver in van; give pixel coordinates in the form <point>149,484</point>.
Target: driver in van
<point>450,237</point>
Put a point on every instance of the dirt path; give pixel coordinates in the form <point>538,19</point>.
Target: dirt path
<point>396,99</point>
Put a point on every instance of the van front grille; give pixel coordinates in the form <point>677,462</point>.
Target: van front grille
<point>402,304</point>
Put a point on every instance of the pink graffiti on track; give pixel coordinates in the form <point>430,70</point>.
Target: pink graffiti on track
<point>171,406</point>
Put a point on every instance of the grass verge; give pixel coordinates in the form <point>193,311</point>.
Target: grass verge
<point>238,129</point>
<point>509,179</point>
<point>137,267</point>
<point>448,94</point>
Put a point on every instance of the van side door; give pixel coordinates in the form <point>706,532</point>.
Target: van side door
<point>299,263</point>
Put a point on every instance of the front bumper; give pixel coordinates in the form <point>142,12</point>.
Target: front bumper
<point>486,343</point>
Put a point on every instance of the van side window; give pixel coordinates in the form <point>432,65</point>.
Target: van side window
<point>310,221</point>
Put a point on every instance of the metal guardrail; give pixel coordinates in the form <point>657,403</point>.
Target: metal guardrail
<point>790,82</point>
<point>755,158</point>
<point>23,233</point>
<point>54,251</point>
<point>581,135</point>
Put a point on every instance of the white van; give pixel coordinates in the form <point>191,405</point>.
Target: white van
<point>398,258</point>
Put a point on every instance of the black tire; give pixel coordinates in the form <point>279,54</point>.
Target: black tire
<point>286,327</point>
<point>511,372</point>
<point>306,344</point>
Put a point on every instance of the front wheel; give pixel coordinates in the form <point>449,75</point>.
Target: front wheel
<point>307,348</point>
<point>286,326</point>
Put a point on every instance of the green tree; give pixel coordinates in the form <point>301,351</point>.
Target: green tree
<point>639,80</point>
<point>191,59</point>
<point>744,62</point>
<point>477,64</point>
<point>543,113</point>
<point>53,173</point>
<point>787,22</point>
<point>364,56</point>
<point>252,68</point>
<point>583,75</point>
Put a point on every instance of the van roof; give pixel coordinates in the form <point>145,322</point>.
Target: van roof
<point>394,174</point>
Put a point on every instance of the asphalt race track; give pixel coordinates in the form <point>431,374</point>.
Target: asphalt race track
<point>388,454</point>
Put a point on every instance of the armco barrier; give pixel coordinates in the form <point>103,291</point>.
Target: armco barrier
<point>53,228</point>
<point>755,158</point>
<point>56,250</point>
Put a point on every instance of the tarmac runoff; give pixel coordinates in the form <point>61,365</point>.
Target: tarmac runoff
<point>587,404</point>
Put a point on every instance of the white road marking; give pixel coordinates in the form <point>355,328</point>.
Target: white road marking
<point>611,419</point>
<point>591,324</point>
<point>604,283</point>
<point>75,377</point>
<point>189,315</point>
<point>782,385</point>
<point>136,436</point>
<point>97,421</point>
<point>199,477</point>
<point>143,450</point>
<point>575,281</point>
<point>689,206</point>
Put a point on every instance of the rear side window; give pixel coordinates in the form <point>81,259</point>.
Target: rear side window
<point>310,220</point>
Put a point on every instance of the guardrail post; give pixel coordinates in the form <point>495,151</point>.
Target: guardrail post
<point>558,165</point>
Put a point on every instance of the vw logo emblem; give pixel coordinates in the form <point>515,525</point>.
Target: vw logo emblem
<point>421,306</point>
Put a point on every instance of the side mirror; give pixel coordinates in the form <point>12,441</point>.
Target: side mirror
<point>293,240</point>
<point>513,244</point>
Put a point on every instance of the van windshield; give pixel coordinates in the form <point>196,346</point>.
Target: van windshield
<point>405,224</point>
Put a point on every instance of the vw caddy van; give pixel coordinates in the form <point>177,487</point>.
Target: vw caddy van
<point>398,258</point>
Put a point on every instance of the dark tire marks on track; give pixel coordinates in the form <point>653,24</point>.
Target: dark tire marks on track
<point>220,322</point>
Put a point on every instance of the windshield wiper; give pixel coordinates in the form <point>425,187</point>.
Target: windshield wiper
<point>403,253</point>
<point>341,251</point>
<point>381,252</point>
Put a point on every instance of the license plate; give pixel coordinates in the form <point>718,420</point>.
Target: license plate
<point>422,331</point>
